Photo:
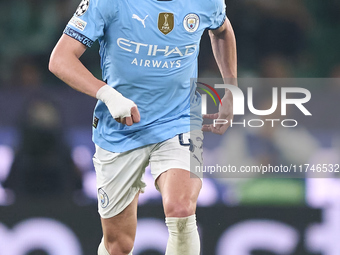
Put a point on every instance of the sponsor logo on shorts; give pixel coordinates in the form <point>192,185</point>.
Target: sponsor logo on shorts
<point>104,199</point>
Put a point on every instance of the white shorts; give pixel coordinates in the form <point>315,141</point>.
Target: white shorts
<point>120,175</point>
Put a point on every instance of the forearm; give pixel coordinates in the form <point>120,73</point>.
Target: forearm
<point>223,44</point>
<point>65,64</point>
<point>69,69</point>
<point>73,73</point>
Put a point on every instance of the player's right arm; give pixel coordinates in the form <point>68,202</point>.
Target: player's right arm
<point>65,64</point>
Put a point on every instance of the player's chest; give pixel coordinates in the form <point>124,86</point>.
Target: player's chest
<point>162,21</point>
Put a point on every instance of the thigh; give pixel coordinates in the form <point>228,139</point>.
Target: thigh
<point>119,179</point>
<point>179,192</point>
<point>122,227</point>
<point>171,165</point>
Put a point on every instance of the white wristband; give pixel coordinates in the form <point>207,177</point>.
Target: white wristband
<point>118,105</point>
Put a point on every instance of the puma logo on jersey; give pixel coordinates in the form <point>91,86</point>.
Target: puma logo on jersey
<point>134,16</point>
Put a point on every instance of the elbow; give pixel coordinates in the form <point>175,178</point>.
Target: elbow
<point>54,65</point>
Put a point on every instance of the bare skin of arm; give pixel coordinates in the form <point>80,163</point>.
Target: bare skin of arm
<point>223,44</point>
<point>65,64</point>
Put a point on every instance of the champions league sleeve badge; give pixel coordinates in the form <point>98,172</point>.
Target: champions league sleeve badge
<point>82,8</point>
<point>191,22</point>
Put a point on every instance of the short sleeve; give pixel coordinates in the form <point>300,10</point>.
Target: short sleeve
<point>219,15</point>
<point>88,22</point>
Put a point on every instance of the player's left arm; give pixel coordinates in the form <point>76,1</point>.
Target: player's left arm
<point>223,44</point>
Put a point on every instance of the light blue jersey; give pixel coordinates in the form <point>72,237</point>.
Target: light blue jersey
<point>149,51</point>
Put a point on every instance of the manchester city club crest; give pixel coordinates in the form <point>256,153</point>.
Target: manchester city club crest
<point>103,198</point>
<point>191,22</point>
<point>166,22</point>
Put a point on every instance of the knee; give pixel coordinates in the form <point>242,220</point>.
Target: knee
<point>121,246</point>
<point>179,207</point>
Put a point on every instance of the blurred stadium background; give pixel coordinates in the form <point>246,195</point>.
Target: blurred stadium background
<point>47,181</point>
